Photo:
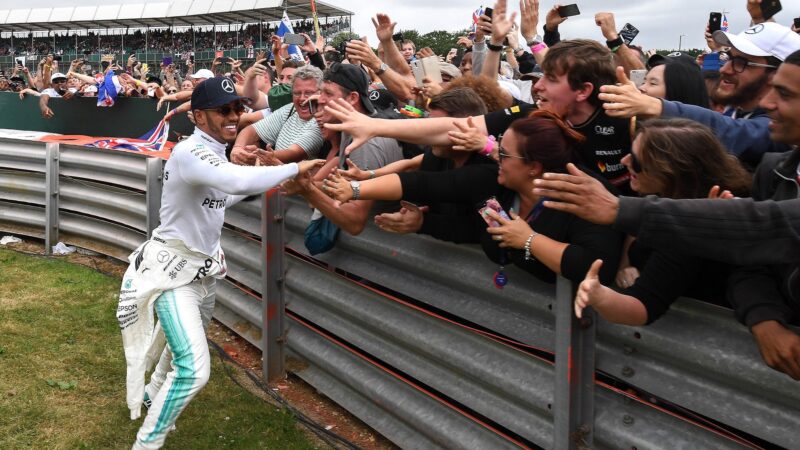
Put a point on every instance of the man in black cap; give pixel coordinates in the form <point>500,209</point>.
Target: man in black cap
<point>349,82</point>
<point>174,272</point>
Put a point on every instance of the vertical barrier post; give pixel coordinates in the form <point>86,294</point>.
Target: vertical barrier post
<point>574,384</point>
<point>51,194</point>
<point>153,194</point>
<point>272,245</point>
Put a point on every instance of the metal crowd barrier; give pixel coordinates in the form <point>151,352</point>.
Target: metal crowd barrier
<point>409,334</point>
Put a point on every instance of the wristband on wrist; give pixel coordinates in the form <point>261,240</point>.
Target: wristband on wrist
<point>371,174</point>
<point>490,141</point>
<point>494,48</point>
<point>615,44</point>
<point>538,48</point>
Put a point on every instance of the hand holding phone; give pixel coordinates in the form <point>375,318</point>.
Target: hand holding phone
<point>294,39</point>
<point>569,10</point>
<point>494,205</point>
<point>714,22</point>
<point>628,33</point>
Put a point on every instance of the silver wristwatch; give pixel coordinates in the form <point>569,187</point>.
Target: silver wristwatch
<point>536,40</point>
<point>356,189</point>
<point>383,68</point>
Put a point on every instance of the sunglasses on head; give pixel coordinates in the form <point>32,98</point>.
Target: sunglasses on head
<point>227,108</point>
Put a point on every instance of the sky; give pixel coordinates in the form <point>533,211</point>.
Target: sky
<point>661,22</point>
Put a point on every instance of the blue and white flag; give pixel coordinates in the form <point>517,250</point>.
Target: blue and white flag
<point>108,89</point>
<point>286,27</point>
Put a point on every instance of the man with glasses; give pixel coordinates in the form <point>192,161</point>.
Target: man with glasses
<point>291,130</point>
<point>174,272</point>
<point>750,65</point>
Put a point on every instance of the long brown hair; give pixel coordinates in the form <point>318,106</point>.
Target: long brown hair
<point>487,89</point>
<point>546,138</point>
<point>688,159</point>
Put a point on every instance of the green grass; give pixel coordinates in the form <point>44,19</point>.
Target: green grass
<point>62,372</point>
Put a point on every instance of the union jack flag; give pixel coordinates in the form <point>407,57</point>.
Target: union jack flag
<point>476,15</point>
<point>724,25</point>
<point>153,141</point>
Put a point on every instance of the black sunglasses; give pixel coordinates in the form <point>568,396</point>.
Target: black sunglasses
<point>503,154</point>
<point>226,109</point>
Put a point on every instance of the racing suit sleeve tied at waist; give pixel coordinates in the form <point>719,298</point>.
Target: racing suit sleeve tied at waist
<point>156,266</point>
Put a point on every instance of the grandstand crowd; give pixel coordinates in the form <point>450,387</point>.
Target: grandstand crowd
<point>534,147</point>
<point>159,40</point>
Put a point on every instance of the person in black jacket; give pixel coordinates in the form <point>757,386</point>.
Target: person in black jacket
<point>540,241</point>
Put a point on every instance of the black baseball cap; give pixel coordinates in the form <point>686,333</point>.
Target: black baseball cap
<point>214,92</point>
<point>657,60</point>
<point>353,78</point>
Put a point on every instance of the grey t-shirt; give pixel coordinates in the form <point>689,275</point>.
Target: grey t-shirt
<point>374,154</point>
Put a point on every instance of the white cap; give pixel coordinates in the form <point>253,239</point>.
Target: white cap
<point>90,88</point>
<point>763,39</point>
<point>203,73</point>
<point>56,76</point>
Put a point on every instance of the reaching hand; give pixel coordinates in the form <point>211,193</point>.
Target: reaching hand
<point>357,125</point>
<point>501,25</point>
<point>590,291</point>
<point>468,137</point>
<point>337,188</point>
<point>353,172</point>
<point>464,41</point>
<point>47,113</point>
<point>553,18</point>
<point>407,220</point>
<point>360,51</point>
<point>510,233</point>
<point>626,276</point>
<point>779,346</point>
<point>308,45</point>
<point>424,52</point>
<point>244,156</point>
<point>384,27</point>
<point>625,100</point>
<point>579,194</point>
<point>529,18</point>
<point>430,88</point>
<point>257,69</point>
<point>309,164</point>
<point>267,157</point>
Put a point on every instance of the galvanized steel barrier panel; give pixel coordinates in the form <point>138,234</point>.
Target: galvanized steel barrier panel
<point>422,379</point>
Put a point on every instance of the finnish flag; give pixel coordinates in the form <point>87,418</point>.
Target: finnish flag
<point>286,27</point>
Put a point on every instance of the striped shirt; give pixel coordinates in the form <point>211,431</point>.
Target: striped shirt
<point>284,127</point>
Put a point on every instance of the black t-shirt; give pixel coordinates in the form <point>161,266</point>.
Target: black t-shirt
<point>607,141</point>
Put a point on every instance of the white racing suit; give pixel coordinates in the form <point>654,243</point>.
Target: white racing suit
<point>173,275</point>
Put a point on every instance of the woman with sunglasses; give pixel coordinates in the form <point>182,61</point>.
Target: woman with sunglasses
<point>539,240</point>
<point>671,158</point>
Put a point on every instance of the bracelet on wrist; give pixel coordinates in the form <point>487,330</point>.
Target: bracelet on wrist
<point>527,247</point>
<point>538,47</point>
<point>489,147</point>
<point>615,44</point>
<point>494,48</point>
<point>371,174</point>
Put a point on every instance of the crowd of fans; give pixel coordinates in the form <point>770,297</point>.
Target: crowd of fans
<point>488,144</point>
<point>160,40</point>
